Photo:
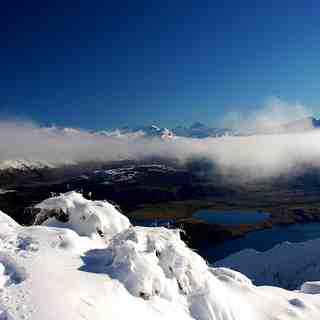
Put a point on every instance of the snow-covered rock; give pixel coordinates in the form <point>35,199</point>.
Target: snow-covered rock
<point>64,270</point>
<point>88,218</point>
<point>154,261</point>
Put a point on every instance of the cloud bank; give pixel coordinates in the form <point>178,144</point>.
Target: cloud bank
<point>248,157</point>
<point>273,114</point>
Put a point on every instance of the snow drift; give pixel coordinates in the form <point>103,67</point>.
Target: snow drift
<point>87,262</point>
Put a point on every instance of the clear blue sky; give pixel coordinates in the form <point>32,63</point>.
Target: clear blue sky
<point>103,64</point>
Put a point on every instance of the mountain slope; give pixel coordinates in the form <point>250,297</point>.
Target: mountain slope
<point>287,265</point>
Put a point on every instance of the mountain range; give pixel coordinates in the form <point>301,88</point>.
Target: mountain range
<point>199,130</point>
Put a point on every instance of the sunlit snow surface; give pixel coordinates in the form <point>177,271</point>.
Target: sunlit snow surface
<point>87,262</point>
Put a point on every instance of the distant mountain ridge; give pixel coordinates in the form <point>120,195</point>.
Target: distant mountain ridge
<point>196,130</point>
<point>199,130</point>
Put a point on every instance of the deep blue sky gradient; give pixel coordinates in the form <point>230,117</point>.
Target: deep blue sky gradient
<point>104,64</point>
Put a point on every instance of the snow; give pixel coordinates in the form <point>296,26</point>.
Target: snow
<point>86,217</point>
<point>5,191</point>
<point>65,269</point>
<point>24,165</point>
<point>287,265</point>
<point>123,134</point>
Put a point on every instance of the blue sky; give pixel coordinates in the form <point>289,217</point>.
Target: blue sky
<point>105,64</point>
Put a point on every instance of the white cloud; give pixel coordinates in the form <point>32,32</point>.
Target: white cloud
<point>246,157</point>
<point>274,113</point>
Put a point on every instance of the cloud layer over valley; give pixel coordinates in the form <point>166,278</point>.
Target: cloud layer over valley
<point>249,157</point>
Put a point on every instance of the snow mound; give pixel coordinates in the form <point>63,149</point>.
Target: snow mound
<point>155,265</point>
<point>88,218</point>
<point>225,274</point>
<point>156,262</point>
<point>8,225</point>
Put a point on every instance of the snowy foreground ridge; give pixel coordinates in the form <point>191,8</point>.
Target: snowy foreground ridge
<point>86,261</point>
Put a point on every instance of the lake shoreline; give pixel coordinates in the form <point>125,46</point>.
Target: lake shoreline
<point>198,232</point>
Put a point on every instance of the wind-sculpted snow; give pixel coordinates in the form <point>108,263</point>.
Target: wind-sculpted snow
<point>64,270</point>
<point>154,263</point>
<point>87,218</point>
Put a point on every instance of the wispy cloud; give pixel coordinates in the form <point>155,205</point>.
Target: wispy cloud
<point>273,114</point>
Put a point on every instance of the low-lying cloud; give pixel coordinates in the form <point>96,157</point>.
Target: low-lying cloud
<point>249,157</point>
